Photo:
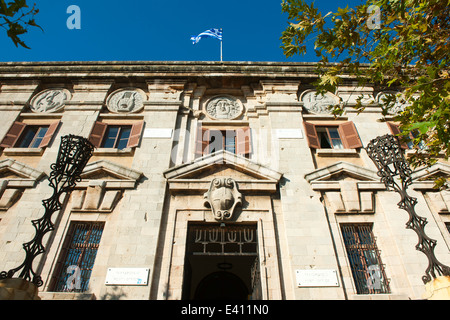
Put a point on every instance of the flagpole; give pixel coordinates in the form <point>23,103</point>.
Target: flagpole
<point>221,47</point>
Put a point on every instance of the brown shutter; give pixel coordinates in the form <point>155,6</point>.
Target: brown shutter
<point>135,135</point>
<point>201,141</point>
<point>395,130</point>
<point>243,141</point>
<point>10,140</point>
<point>49,135</point>
<point>311,135</point>
<point>97,133</point>
<point>349,135</point>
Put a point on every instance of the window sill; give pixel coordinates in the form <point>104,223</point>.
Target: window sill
<point>113,151</point>
<point>336,152</point>
<point>23,151</point>
<point>66,296</point>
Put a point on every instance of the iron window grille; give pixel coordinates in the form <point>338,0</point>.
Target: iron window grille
<point>79,252</point>
<point>365,261</point>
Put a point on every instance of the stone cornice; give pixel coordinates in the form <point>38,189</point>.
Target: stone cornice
<point>102,69</point>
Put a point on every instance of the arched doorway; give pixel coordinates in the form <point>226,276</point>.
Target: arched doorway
<point>221,285</point>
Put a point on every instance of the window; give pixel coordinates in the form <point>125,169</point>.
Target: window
<point>105,135</point>
<point>236,141</point>
<point>406,142</point>
<point>342,136</point>
<point>22,135</point>
<point>78,255</point>
<point>32,137</point>
<point>116,137</point>
<point>365,261</point>
<point>329,138</point>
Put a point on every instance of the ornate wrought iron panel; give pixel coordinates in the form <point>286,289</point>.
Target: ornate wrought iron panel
<point>222,240</point>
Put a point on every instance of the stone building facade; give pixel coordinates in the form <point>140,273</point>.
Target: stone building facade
<point>208,180</point>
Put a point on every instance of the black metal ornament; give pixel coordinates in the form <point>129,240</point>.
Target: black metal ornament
<point>74,153</point>
<point>386,153</point>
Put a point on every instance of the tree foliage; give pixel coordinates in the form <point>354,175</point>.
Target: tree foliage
<point>16,17</point>
<point>408,48</point>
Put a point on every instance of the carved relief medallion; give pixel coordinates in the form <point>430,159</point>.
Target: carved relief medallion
<point>50,100</point>
<point>224,107</point>
<point>126,101</point>
<point>223,197</point>
<point>318,104</point>
<point>395,107</point>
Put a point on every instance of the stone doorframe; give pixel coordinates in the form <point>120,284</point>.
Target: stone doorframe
<point>187,185</point>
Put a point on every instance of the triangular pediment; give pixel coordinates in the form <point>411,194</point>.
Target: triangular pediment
<point>112,173</point>
<point>436,171</point>
<point>200,172</point>
<point>19,173</point>
<point>342,171</point>
<point>222,163</point>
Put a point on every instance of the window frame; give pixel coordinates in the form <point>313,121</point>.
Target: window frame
<point>15,135</point>
<point>330,138</point>
<point>99,134</point>
<point>118,137</point>
<point>242,140</point>
<point>404,143</point>
<point>347,132</point>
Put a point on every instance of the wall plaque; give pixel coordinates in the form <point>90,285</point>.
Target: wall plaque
<point>158,133</point>
<point>127,276</point>
<point>289,133</point>
<point>317,278</point>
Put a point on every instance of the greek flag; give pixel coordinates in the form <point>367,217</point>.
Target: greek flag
<point>213,33</point>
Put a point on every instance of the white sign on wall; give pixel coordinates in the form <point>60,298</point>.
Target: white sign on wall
<point>127,276</point>
<point>289,133</point>
<point>316,278</point>
<point>158,133</point>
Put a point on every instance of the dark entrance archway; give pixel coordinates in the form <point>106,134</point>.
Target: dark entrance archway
<point>221,285</point>
<point>221,262</point>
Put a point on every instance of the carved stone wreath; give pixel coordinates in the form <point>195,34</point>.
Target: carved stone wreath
<point>224,107</point>
<point>50,100</point>
<point>126,101</point>
<point>223,196</point>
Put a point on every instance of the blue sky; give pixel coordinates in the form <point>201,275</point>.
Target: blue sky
<point>138,30</point>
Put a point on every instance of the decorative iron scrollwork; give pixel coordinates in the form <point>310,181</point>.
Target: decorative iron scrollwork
<point>74,153</point>
<point>386,153</point>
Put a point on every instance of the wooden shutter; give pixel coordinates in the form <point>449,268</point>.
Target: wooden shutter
<point>97,133</point>
<point>49,135</point>
<point>395,130</point>
<point>311,135</point>
<point>135,135</point>
<point>349,135</point>
<point>13,135</point>
<point>243,141</point>
<point>201,141</point>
